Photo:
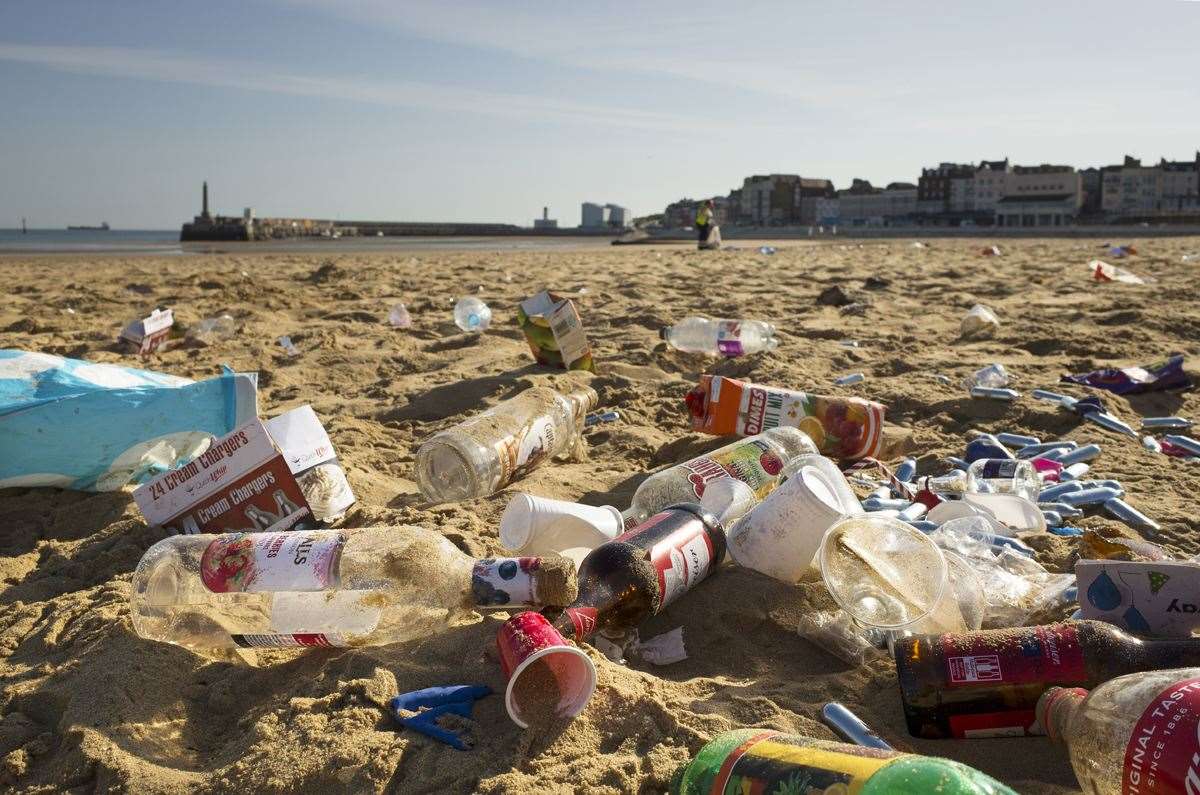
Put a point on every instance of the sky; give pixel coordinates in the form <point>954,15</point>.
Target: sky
<point>487,111</point>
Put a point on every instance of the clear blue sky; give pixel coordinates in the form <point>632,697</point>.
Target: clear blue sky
<point>392,110</point>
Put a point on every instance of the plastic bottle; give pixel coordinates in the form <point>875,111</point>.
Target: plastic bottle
<point>625,581</point>
<point>756,760</point>
<point>1135,733</point>
<point>215,594</point>
<point>720,337</point>
<point>987,683</point>
<point>400,318</point>
<point>498,446</point>
<point>1006,476</point>
<point>472,315</point>
<point>759,461</point>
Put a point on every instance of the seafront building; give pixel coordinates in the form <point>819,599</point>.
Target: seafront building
<point>990,193</point>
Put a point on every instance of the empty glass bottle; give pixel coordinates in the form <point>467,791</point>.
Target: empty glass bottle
<point>720,337</point>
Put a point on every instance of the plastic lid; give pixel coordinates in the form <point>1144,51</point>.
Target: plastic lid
<point>882,571</point>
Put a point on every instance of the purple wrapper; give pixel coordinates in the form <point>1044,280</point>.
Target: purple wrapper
<point>1130,380</point>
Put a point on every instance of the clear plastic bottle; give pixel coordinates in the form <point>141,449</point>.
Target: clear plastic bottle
<point>472,315</point>
<point>399,317</point>
<point>496,447</point>
<point>216,594</point>
<point>1135,733</point>
<point>1006,476</point>
<point>759,461</point>
<point>213,329</point>
<point>720,337</point>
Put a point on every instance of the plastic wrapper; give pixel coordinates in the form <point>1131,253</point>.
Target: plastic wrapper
<point>74,424</point>
<point>841,427</point>
<point>1155,377</point>
<point>1015,587</point>
<point>979,323</point>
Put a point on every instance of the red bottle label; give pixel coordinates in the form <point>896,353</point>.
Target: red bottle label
<point>1050,654</point>
<point>1163,754</point>
<point>682,559</point>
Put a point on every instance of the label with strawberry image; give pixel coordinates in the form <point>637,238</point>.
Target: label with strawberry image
<point>752,461</point>
<point>729,338</point>
<point>1163,752</point>
<point>293,561</point>
<point>846,428</point>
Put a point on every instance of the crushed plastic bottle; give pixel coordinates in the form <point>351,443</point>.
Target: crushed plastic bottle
<point>720,337</point>
<point>472,315</point>
<point>979,323</point>
<point>212,329</point>
<point>398,317</point>
<point>994,376</point>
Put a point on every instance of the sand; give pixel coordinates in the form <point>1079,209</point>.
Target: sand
<point>88,706</point>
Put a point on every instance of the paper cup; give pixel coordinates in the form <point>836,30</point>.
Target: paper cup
<point>538,525</point>
<point>781,536</point>
<point>528,637</point>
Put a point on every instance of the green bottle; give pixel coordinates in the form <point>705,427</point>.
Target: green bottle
<point>771,763</point>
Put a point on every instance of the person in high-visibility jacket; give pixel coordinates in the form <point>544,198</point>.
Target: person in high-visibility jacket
<point>704,217</point>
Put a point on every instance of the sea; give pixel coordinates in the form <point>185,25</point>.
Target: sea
<point>165,242</point>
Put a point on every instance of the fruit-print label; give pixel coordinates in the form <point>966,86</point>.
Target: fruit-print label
<point>774,763</point>
<point>295,641</point>
<point>504,582</point>
<point>682,559</point>
<point>1163,753</point>
<point>729,338</point>
<point>1050,655</point>
<point>296,561</point>
<point>753,462</point>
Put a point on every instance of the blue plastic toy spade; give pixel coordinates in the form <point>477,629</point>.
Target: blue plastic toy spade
<point>435,702</point>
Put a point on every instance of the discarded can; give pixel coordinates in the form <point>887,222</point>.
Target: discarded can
<point>1103,484</point>
<point>1073,472</point>
<point>1066,401</point>
<point>994,394</point>
<point>1151,444</point>
<point>1079,455</point>
<point>1053,493</point>
<point>1186,442</point>
<point>1130,515</point>
<point>1038,450</point>
<point>849,727</point>
<point>913,512</point>
<point>907,470</point>
<point>853,378</point>
<point>1017,439</point>
<point>1060,508</point>
<point>1106,420</point>
<point>1166,422</point>
<point>882,493</point>
<point>985,448</point>
<point>1092,496</point>
<point>1053,518</point>
<point>599,417</point>
<point>872,504</point>
<point>958,463</point>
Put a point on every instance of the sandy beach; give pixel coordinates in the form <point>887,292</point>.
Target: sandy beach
<point>87,706</point>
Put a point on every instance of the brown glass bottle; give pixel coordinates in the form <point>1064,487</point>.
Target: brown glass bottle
<point>987,683</point>
<point>625,581</point>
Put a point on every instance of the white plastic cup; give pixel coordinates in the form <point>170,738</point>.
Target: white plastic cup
<point>781,536</point>
<point>528,637</point>
<point>542,526</point>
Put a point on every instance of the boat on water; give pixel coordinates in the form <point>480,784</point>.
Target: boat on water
<point>104,227</point>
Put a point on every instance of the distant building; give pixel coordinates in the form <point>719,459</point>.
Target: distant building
<point>545,222</point>
<point>617,216</point>
<point>592,215</point>
<point>1044,195</point>
<point>862,204</point>
<point>680,213</point>
<point>991,185</point>
<point>1132,191</point>
<point>936,193</point>
<point>780,199</point>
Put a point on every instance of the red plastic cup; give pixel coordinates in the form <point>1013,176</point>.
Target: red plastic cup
<point>528,637</point>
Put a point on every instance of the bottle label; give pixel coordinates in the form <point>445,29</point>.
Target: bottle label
<point>295,641</point>
<point>776,763</point>
<point>682,559</point>
<point>504,581</point>
<point>753,462</point>
<point>1049,655</point>
<point>998,468</point>
<point>729,338</point>
<point>526,449</point>
<point>1163,753</point>
<point>295,561</point>
<point>584,621</point>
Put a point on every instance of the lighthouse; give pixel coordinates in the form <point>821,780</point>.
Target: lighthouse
<point>204,209</point>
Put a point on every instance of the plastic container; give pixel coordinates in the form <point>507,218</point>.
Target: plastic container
<point>1006,476</point>
<point>472,315</point>
<point>542,526</point>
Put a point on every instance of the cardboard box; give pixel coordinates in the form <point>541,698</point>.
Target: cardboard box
<point>147,334</point>
<point>311,458</point>
<point>844,428</point>
<point>554,332</point>
<point>241,483</point>
<point>1154,599</point>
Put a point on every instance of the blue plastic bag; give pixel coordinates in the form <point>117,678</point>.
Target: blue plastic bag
<point>96,427</point>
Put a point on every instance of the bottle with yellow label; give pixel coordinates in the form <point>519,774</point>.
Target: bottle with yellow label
<point>771,763</point>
